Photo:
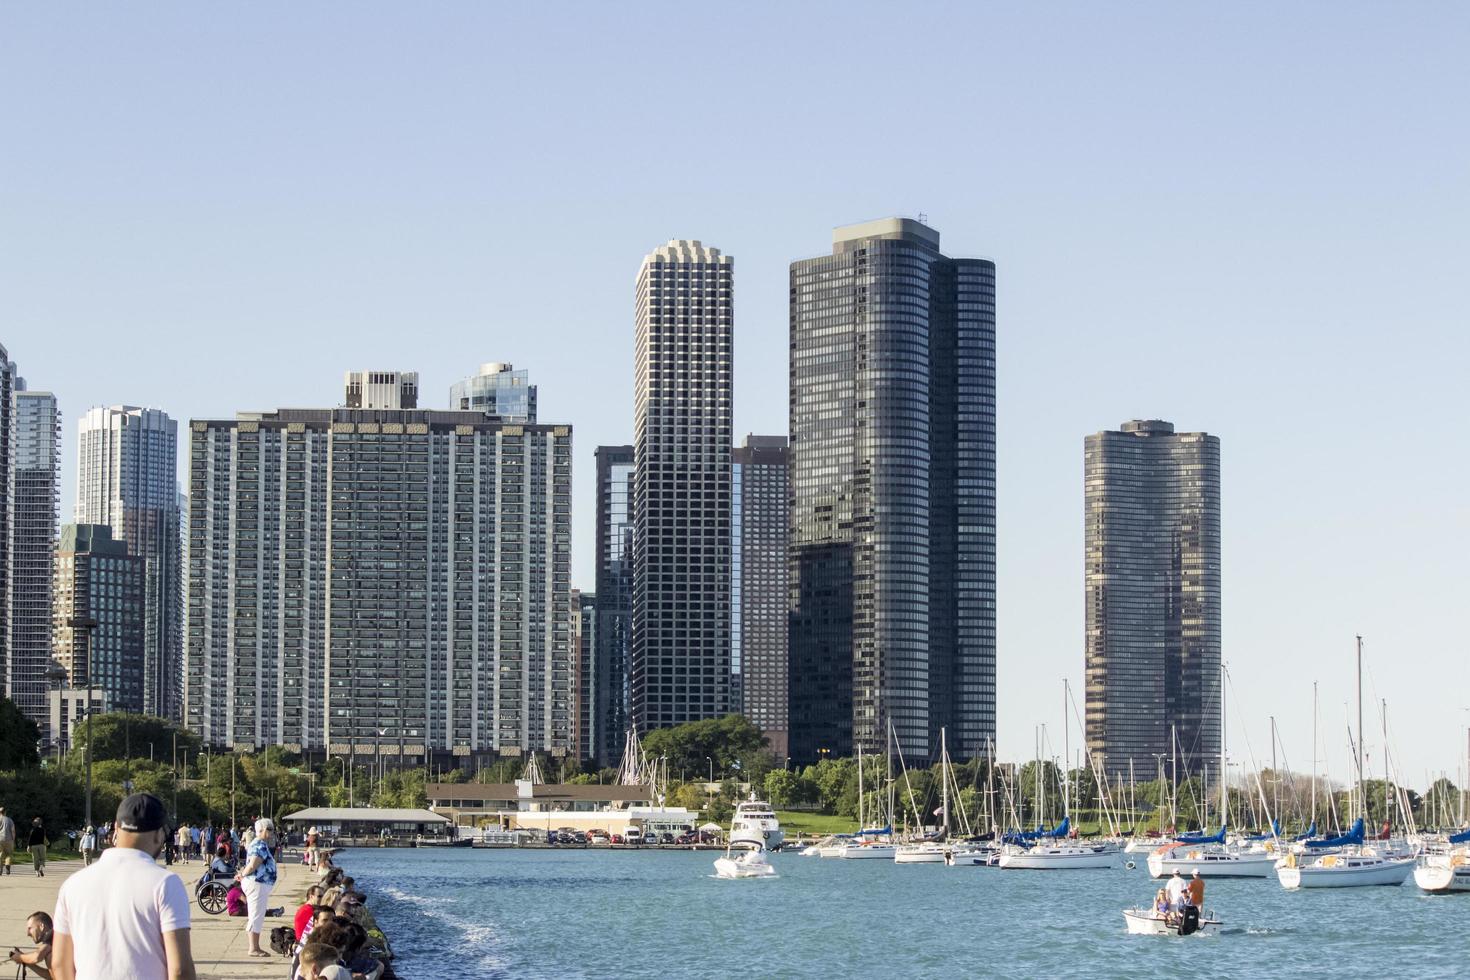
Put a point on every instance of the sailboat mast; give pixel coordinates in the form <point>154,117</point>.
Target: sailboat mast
<point>1362,802</point>
<point>860,786</point>
<point>944,781</point>
<point>1174,776</point>
<point>1224,770</point>
<point>1275,775</point>
<point>1313,818</point>
<point>1066,752</point>
<point>1387,793</point>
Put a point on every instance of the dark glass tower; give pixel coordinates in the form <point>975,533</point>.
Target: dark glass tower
<point>681,507</point>
<point>892,556</point>
<point>1153,597</point>
<point>614,613</point>
<point>760,533</point>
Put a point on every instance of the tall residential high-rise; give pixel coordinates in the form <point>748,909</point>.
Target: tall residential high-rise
<point>614,625</point>
<point>1153,597</point>
<point>499,391</point>
<point>759,584</point>
<point>380,581</point>
<point>35,477</point>
<point>683,373</point>
<point>7,450</point>
<point>893,495</point>
<point>584,649</point>
<point>127,478</point>
<point>97,577</point>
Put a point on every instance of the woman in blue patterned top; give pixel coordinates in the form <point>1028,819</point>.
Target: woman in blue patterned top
<point>257,878</point>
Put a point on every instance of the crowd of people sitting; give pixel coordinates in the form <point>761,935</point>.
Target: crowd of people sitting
<point>332,936</point>
<point>331,930</point>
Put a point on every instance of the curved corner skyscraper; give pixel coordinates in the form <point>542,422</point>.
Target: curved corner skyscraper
<point>893,495</point>
<point>1153,597</point>
<point>683,374</point>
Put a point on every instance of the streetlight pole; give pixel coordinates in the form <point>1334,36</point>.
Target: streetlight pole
<point>88,624</point>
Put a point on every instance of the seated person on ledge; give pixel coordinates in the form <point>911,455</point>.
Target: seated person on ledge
<point>38,961</point>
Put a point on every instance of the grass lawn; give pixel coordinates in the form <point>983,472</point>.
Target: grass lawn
<point>814,824</point>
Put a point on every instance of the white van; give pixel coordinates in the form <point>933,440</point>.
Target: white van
<point>633,835</point>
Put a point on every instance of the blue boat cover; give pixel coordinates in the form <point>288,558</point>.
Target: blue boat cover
<point>1217,838</point>
<point>1275,832</point>
<point>1460,838</point>
<point>1354,836</point>
<point>1311,832</point>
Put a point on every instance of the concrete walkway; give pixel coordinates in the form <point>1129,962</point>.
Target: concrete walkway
<point>218,940</point>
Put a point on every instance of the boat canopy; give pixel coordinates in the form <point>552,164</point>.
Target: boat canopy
<point>1217,838</point>
<point>1311,832</point>
<point>1354,836</point>
<point>876,831</point>
<point>1460,838</point>
<point>1021,836</point>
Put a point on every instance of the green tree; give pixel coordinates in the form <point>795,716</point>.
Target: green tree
<point>728,744</point>
<point>18,737</point>
<point>123,735</point>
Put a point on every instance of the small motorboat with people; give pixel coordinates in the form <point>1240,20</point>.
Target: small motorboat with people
<point>1190,921</point>
<point>744,860</point>
<point>756,822</point>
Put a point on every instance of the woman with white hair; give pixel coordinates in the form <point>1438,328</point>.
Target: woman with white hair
<point>257,878</point>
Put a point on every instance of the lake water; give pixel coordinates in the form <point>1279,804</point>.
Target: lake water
<point>600,913</point>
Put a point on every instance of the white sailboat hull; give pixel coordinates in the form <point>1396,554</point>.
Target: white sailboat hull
<point>1345,873</point>
<point>1146,922</point>
<point>1058,859</point>
<point>1211,864</point>
<point>918,855</point>
<point>866,852</point>
<point>1440,876</point>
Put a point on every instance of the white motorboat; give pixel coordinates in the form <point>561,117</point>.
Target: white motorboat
<point>984,856</point>
<point>1213,861</point>
<point>752,863</point>
<point>1443,873</point>
<point>1349,868</point>
<point>1051,856</point>
<point>755,823</point>
<point>1148,922</point>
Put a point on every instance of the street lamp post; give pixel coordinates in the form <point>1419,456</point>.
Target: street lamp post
<point>89,624</point>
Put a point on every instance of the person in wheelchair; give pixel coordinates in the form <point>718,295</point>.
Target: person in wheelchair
<point>221,866</point>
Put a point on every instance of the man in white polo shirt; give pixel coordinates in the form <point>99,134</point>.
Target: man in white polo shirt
<point>125,917</point>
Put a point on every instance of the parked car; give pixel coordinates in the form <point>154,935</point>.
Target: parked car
<point>665,838</point>
<point>686,839</point>
<point>615,839</point>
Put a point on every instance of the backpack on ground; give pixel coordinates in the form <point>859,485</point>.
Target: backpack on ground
<point>283,938</point>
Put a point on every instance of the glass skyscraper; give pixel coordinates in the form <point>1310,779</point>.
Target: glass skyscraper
<point>96,577</point>
<point>1153,598</point>
<point>127,478</point>
<point>614,621</point>
<point>683,373</point>
<point>892,417</point>
<point>760,533</point>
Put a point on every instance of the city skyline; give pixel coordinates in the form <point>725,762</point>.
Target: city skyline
<point>1184,240</point>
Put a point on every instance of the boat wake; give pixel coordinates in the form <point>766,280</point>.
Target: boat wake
<point>476,937</point>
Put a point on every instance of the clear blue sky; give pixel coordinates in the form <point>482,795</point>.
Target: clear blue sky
<point>1247,218</point>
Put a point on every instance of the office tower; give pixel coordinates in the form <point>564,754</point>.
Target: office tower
<point>35,475</point>
<point>67,711</point>
<point>380,389</point>
<point>614,627</point>
<point>759,583</point>
<point>681,507</point>
<point>7,449</point>
<point>127,478</point>
<point>380,582</point>
<point>893,495</point>
<point>98,577</point>
<point>1153,598</point>
<point>499,391</point>
<point>584,645</point>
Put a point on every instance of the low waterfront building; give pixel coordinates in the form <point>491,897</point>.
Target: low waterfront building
<point>67,711</point>
<point>524,805</point>
<point>366,821</point>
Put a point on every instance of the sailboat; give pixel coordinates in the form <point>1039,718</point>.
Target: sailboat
<point>1215,856</point>
<point>1345,861</point>
<point>1053,850</point>
<point>868,844</point>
